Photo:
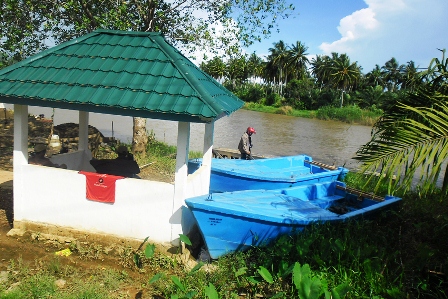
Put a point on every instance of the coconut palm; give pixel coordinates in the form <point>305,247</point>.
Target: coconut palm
<point>375,77</point>
<point>410,78</point>
<point>237,71</point>
<point>215,68</point>
<point>255,66</point>
<point>320,69</point>
<point>297,61</point>
<point>277,59</point>
<point>344,74</point>
<point>411,139</point>
<point>392,73</point>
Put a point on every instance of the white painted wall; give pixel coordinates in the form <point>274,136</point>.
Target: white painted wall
<point>56,196</point>
<point>142,208</point>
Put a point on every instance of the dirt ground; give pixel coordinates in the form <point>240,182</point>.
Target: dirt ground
<point>30,249</point>
<point>31,252</point>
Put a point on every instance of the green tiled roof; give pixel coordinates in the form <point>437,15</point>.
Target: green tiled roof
<point>118,72</point>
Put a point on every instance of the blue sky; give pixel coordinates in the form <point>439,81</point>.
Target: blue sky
<point>369,32</point>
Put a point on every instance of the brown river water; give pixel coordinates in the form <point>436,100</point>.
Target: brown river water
<point>329,142</point>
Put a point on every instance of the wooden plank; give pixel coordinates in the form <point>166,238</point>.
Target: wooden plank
<point>360,193</point>
<point>323,165</point>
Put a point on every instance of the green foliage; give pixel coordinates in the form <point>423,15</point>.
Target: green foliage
<point>411,147</point>
<point>211,292</point>
<point>27,25</point>
<point>251,93</point>
<point>38,286</point>
<point>273,99</point>
<point>88,292</point>
<point>185,239</point>
<point>308,287</point>
<point>349,114</point>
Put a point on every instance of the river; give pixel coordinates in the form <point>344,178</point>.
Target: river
<point>329,142</point>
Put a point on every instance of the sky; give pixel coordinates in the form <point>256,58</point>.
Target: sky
<point>370,32</point>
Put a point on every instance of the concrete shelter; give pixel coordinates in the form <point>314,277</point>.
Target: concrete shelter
<point>136,74</point>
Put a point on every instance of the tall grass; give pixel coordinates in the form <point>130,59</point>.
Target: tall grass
<point>348,114</point>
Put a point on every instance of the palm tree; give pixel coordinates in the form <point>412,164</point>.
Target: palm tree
<point>392,74</point>
<point>255,66</point>
<point>344,74</point>
<point>411,139</point>
<point>410,78</point>
<point>375,77</point>
<point>277,58</point>
<point>237,71</point>
<point>297,61</point>
<point>320,69</point>
<point>215,68</point>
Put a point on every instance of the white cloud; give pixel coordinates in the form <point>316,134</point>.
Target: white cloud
<point>352,28</point>
<point>404,29</point>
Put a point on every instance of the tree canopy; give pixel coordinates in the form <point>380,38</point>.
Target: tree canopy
<point>29,26</point>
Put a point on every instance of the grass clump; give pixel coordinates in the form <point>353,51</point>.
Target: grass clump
<point>349,114</point>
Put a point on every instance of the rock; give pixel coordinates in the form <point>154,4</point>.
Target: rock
<point>3,277</point>
<point>60,283</point>
<point>16,232</point>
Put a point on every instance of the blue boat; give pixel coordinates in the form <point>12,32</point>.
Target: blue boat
<point>270,173</point>
<point>234,221</point>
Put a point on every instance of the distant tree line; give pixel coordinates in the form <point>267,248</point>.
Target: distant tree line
<point>286,77</point>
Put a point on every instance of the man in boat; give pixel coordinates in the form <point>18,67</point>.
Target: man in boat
<point>38,158</point>
<point>245,144</point>
<point>124,165</point>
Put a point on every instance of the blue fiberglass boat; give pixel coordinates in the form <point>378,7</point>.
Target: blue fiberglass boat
<point>270,173</point>
<point>233,221</point>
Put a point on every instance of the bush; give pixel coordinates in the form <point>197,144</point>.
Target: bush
<point>254,93</point>
<point>274,99</point>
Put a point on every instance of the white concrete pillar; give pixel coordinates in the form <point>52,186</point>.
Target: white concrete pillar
<point>83,130</point>
<point>20,157</point>
<point>180,183</point>
<point>208,152</point>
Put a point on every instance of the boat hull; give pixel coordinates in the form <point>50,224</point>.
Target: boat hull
<point>236,221</point>
<point>271,173</point>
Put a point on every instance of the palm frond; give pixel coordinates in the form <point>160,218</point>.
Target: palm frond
<point>413,149</point>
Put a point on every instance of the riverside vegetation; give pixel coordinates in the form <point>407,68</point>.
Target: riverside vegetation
<point>399,254</point>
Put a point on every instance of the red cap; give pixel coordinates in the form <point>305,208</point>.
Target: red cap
<point>251,130</point>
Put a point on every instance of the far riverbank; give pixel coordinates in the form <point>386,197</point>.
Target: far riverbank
<point>347,114</point>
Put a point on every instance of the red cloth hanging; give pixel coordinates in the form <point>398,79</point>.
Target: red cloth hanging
<point>100,187</point>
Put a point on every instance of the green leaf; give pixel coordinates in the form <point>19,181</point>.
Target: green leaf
<point>150,250</point>
<point>241,271</point>
<point>340,291</point>
<point>265,274</point>
<point>253,280</point>
<point>138,261</point>
<point>185,239</point>
<point>156,277</point>
<point>197,267</point>
<point>190,294</point>
<point>178,283</point>
<point>210,292</point>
